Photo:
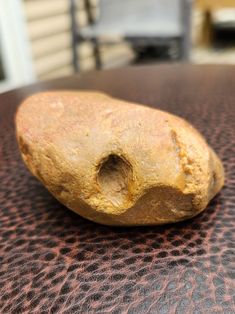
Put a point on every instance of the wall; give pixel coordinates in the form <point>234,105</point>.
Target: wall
<point>48,24</point>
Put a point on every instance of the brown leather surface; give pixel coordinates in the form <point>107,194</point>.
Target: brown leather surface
<point>53,261</point>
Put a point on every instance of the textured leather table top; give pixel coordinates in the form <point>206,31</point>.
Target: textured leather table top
<point>53,261</point>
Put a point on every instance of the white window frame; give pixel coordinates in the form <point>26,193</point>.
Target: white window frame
<point>14,46</point>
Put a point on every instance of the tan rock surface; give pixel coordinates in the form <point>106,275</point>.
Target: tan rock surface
<point>116,162</point>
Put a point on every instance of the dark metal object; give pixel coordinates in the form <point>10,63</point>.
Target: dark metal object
<point>74,34</point>
<point>111,10</point>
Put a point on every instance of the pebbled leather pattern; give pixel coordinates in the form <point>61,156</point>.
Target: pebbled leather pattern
<point>53,261</point>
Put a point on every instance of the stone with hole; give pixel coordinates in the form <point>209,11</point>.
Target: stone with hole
<point>115,162</point>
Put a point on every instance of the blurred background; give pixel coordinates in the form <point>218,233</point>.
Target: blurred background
<point>45,39</point>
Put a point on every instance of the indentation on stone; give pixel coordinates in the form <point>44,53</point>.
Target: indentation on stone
<point>115,178</point>
<point>23,146</point>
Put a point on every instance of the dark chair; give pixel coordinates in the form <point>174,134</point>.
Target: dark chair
<point>140,22</point>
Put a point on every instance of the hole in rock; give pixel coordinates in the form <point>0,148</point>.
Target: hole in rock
<point>115,178</point>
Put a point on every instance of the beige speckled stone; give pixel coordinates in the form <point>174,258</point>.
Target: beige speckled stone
<point>115,162</point>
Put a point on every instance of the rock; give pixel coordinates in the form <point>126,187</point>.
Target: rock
<point>115,162</point>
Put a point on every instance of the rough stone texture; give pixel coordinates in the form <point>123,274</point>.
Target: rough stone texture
<point>115,162</point>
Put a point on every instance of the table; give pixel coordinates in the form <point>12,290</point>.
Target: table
<point>53,261</point>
